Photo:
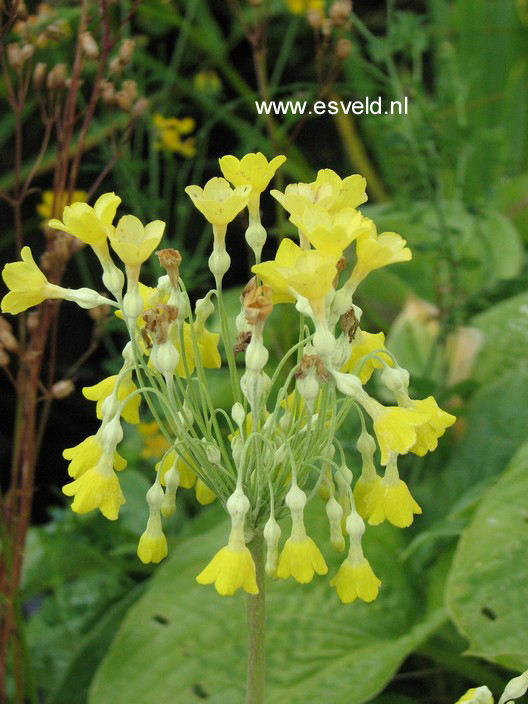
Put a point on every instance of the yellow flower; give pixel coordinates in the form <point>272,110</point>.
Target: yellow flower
<point>185,469</point>
<point>477,695</point>
<point>153,543</point>
<point>230,569</point>
<point>375,251</point>
<point>329,232</point>
<point>328,191</point>
<point>154,442</point>
<point>207,343</point>
<point>427,434</point>
<point>134,243</point>
<point>98,487</point>
<point>217,201</point>
<point>355,580</point>
<point>395,429</point>
<point>90,225</point>
<point>170,131</point>
<point>27,285</point>
<point>364,485</point>
<point>253,170</point>
<point>308,273</point>
<point>44,207</point>
<point>363,344</point>
<point>391,499</point>
<point>300,556</point>
<point>204,495</point>
<point>86,455</point>
<point>207,81</point>
<point>99,392</point>
<point>299,7</point>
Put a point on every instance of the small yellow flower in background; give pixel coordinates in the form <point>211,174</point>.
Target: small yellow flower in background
<point>184,467</point>
<point>44,207</point>
<point>395,429</point>
<point>300,7</point>
<point>170,132</point>
<point>133,242</point>
<point>207,81</point>
<point>356,580</point>
<point>27,285</point>
<point>253,170</point>
<point>204,495</point>
<point>427,434</point>
<point>86,455</point>
<point>90,225</point>
<point>154,442</point>
<point>100,391</point>
<point>98,487</point>
<point>476,695</point>
<point>217,201</point>
<point>308,273</point>
<point>391,499</point>
<point>363,344</point>
<point>330,232</point>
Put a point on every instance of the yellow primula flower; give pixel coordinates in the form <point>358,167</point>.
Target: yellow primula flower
<point>90,225</point>
<point>363,344</point>
<point>207,81</point>
<point>207,343</point>
<point>328,191</point>
<point>391,499</point>
<point>217,201</point>
<point>133,242</point>
<point>253,170</point>
<point>204,495</point>
<point>153,543</point>
<point>98,487</point>
<point>300,7</point>
<point>44,208</point>
<point>329,232</point>
<point>355,578</point>
<point>170,131</point>
<point>308,273</point>
<point>27,285</point>
<point>99,392</point>
<point>86,455</point>
<point>427,434</point>
<point>185,469</point>
<point>375,251</point>
<point>395,428</point>
<point>476,695</point>
<point>230,569</point>
<point>154,442</point>
<point>301,558</point>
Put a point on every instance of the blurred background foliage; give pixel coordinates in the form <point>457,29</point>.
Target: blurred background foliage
<point>451,176</point>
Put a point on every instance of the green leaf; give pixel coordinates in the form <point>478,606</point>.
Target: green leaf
<point>185,642</point>
<point>486,589</point>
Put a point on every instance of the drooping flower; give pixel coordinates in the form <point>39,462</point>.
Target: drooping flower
<point>217,201</point>
<point>391,499</point>
<point>375,251</point>
<point>153,543</point>
<point>27,285</point>
<point>428,433</point>
<point>133,242</point>
<point>364,344</point>
<point>395,428</point>
<point>86,455</point>
<point>172,134</point>
<point>102,390</point>
<point>355,580</point>
<point>98,487</point>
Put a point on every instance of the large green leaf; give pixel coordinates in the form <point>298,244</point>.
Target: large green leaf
<point>486,590</point>
<point>181,642</point>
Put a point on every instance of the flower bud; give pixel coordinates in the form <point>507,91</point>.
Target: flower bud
<point>155,497</point>
<point>56,77</point>
<point>272,534</point>
<point>14,57</point>
<point>89,45</point>
<point>396,380</point>
<point>39,75</point>
<point>343,48</point>
<point>140,107</point>
<point>213,454</point>
<point>334,513</point>
<point>238,414</point>
<point>348,384</point>
<point>126,51</point>
<point>238,505</point>
<point>62,389</point>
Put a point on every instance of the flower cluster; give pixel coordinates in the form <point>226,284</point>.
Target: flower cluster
<point>278,447</point>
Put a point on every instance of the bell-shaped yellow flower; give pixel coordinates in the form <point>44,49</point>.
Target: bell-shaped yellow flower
<point>217,201</point>
<point>395,429</point>
<point>427,434</point>
<point>153,543</point>
<point>134,243</point>
<point>375,251</point>
<point>86,455</point>
<point>363,344</point>
<point>330,232</point>
<point>98,487</point>
<point>99,392</point>
<point>328,191</point>
<point>207,344</point>
<point>308,273</point>
<point>355,578</point>
<point>300,557</point>
<point>27,285</point>
<point>90,225</point>
<point>253,170</point>
<point>391,499</point>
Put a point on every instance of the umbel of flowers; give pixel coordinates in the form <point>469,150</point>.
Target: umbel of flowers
<point>278,446</point>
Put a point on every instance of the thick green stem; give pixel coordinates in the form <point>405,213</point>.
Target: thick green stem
<point>256,619</point>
